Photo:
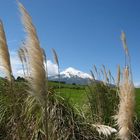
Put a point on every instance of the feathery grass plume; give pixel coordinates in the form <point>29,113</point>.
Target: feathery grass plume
<point>123,38</point>
<point>4,54</point>
<point>38,76</point>
<point>57,63</point>
<point>44,56</point>
<point>55,57</point>
<point>127,54</point>
<point>45,61</point>
<point>25,58</point>
<point>22,58</point>
<point>104,129</point>
<point>12,106</point>
<point>37,79</point>
<point>22,52</point>
<point>118,76</point>
<point>124,117</point>
<point>46,70</point>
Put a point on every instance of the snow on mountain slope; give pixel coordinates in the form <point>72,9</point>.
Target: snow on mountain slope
<point>71,75</point>
<point>71,72</point>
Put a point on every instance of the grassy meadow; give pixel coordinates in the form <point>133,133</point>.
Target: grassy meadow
<point>77,94</point>
<point>33,108</point>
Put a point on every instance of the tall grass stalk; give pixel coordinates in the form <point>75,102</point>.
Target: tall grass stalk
<point>56,60</point>
<point>111,78</point>
<point>96,72</point>
<point>37,79</point>
<point>6,64</point>
<point>127,54</point>
<point>45,61</point>
<point>118,76</point>
<point>124,117</point>
<point>22,58</point>
<point>106,80</point>
<point>4,54</point>
<point>125,114</point>
<point>98,94</point>
<point>123,38</point>
<point>45,65</point>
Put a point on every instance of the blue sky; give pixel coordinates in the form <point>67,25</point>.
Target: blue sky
<point>83,32</point>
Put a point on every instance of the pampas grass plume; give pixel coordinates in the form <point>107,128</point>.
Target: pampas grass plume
<point>104,129</point>
<point>123,38</point>
<point>55,57</point>
<point>124,118</point>
<point>4,54</point>
<point>118,75</point>
<point>35,57</point>
<point>37,80</point>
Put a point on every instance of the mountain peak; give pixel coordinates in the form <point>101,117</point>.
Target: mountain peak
<point>72,75</point>
<point>72,72</point>
<point>71,69</point>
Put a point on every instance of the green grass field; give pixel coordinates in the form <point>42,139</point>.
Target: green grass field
<point>77,94</point>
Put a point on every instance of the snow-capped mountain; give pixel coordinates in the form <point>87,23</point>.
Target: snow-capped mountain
<point>71,75</point>
<point>71,72</point>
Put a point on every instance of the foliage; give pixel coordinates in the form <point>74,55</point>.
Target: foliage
<point>103,102</point>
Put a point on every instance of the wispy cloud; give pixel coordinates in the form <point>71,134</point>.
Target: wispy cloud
<point>17,67</point>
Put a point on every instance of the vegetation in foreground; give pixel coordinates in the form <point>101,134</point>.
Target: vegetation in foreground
<point>35,109</point>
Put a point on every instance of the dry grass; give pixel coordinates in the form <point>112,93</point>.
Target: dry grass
<point>37,79</point>
<point>22,57</point>
<point>36,61</point>
<point>13,120</point>
<point>125,114</point>
<point>106,78</point>
<point>4,54</point>
<point>104,129</point>
<point>123,38</point>
<point>55,57</point>
<point>118,76</point>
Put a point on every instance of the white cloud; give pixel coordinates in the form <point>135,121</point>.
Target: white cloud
<point>15,63</point>
<point>52,68</point>
<point>17,67</point>
<point>137,84</point>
